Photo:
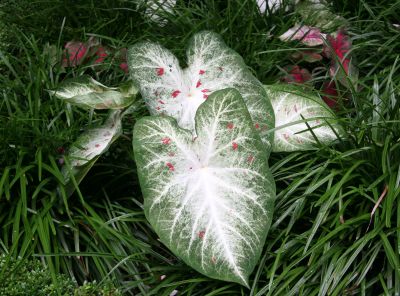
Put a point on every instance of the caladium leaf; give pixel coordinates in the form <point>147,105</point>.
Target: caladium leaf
<point>170,90</point>
<point>209,198</point>
<point>292,105</point>
<point>89,146</point>
<point>318,14</point>
<point>157,9</point>
<point>309,36</point>
<point>86,92</point>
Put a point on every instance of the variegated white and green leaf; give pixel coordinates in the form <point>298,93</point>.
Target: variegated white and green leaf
<point>85,151</point>
<point>86,92</point>
<point>170,90</point>
<point>157,10</point>
<point>209,198</point>
<point>299,115</point>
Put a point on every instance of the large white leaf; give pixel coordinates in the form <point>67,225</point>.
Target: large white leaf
<point>86,92</point>
<point>294,110</point>
<point>209,198</point>
<point>168,89</point>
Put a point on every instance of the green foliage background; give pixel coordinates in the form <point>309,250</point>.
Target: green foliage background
<point>324,239</point>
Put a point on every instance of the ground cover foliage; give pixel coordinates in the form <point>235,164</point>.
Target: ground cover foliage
<point>335,229</point>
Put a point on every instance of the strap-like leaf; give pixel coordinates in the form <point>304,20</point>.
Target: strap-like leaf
<point>209,198</point>
<point>167,89</point>
<point>300,117</point>
<point>86,92</point>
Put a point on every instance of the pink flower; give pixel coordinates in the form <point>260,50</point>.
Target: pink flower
<point>74,53</point>
<point>295,74</point>
<point>309,36</point>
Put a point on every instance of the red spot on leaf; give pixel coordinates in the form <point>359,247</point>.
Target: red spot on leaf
<point>201,72</point>
<point>158,108</point>
<point>201,234</point>
<point>166,141</point>
<point>234,145</point>
<point>205,96</point>
<point>205,90</point>
<point>175,93</point>
<point>250,159</point>
<point>97,145</point>
<point>160,71</point>
<point>161,102</point>
<point>257,125</point>
<point>229,125</point>
<point>170,166</point>
<point>198,83</point>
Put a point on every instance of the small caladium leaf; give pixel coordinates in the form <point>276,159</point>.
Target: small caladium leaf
<point>86,92</point>
<point>342,67</point>
<point>209,198</point>
<point>295,74</point>
<point>85,151</point>
<point>170,90</point>
<point>156,10</point>
<point>307,56</point>
<point>318,14</point>
<point>291,105</point>
<point>74,53</point>
<point>309,36</point>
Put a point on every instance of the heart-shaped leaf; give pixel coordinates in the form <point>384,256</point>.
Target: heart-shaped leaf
<point>86,92</point>
<point>300,117</point>
<point>85,151</point>
<point>209,198</point>
<point>168,89</point>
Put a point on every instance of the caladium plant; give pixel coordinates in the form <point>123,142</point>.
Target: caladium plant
<point>208,197</point>
<point>88,93</point>
<point>202,157</point>
<point>168,89</point>
<point>302,119</point>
